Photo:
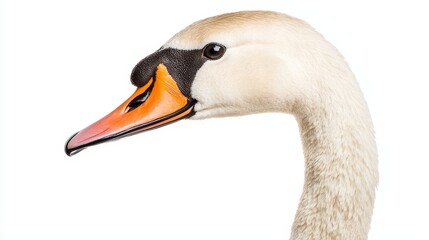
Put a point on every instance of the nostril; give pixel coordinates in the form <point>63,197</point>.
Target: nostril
<point>139,100</point>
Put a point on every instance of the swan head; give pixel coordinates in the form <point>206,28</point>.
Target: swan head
<point>232,64</point>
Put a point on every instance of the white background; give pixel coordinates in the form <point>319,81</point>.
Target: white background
<point>65,64</point>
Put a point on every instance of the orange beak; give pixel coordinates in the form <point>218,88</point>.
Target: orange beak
<point>155,104</point>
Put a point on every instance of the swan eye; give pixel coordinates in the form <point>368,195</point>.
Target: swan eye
<point>213,51</point>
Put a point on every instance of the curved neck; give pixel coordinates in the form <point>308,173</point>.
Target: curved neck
<point>340,170</point>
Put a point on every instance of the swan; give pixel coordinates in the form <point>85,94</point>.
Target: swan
<point>260,61</point>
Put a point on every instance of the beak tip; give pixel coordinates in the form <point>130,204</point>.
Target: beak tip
<point>68,152</point>
<point>71,151</point>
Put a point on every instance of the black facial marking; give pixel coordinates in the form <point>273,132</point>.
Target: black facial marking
<point>181,64</point>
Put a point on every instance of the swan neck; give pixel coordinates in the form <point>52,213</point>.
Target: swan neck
<point>340,170</point>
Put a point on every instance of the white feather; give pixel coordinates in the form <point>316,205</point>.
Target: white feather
<point>278,63</point>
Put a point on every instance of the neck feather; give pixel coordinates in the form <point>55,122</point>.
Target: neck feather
<point>341,170</point>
